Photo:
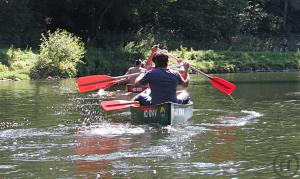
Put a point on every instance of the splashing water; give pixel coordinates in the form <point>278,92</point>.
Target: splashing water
<point>108,129</point>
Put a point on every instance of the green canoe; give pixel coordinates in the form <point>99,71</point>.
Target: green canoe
<point>164,114</point>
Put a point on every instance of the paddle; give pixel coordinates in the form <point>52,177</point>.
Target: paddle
<point>221,84</point>
<point>122,104</point>
<point>94,82</point>
<point>117,104</point>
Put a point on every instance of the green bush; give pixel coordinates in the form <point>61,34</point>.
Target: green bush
<point>60,53</point>
<point>21,61</point>
<point>3,68</point>
<point>16,63</point>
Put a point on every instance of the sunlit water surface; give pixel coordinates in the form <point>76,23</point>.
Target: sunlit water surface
<point>49,130</point>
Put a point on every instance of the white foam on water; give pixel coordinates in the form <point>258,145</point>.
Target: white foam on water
<point>252,114</point>
<point>242,121</point>
<point>169,146</point>
<point>32,132</point>
<point>110,156</point>
<point>227,167</point>
<point>236,120</point>
<point>184,130</point>
<point>16,133</point>
<point>291,101</point>
<point>293,93</point>
<point>102,92</point>
<point>112,130</point>
<point>7,166</point>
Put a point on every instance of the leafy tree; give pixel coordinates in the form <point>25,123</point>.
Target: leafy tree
<point>60,53</point>
<point>204,19</point>
<point>114,23</point>
<point>270,17</point>
<point>255,20</point>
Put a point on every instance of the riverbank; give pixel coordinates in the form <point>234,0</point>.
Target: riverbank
<point>99,61</point>
<point>235,61</point>
<point>17,64</point>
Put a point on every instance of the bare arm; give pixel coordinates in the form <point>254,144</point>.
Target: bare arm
<point>153,50</point>
<point>137,80</point>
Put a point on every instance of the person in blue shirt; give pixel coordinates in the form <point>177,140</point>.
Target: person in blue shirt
<point>163,82</point>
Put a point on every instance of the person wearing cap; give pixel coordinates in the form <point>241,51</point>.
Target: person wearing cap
<point>284,45</point>
<point>163,82</point>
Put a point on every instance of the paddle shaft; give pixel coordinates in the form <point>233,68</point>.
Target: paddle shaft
<point>194,68</point>
<point>221,84</point>
<point>202,73</point>
<point>113,78</point>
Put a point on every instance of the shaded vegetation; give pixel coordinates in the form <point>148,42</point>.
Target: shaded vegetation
<point>116,62</point>
<point>105,37</point>
<point>200,24</point>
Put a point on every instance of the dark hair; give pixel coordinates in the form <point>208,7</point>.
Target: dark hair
<point>160,59</point>
<point>138,62</point>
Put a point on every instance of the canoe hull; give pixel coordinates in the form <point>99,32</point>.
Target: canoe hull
<point>164,114</point>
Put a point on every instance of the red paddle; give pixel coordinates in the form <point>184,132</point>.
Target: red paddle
<point>94,82</point>
<point>121,104</point>
<point>221,84</point>
<point>117,104</point>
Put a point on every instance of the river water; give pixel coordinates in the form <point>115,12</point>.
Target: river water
<point>49,130</point>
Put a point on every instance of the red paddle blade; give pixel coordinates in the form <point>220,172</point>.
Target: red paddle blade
<point>95,82</point>
<point>117,104</point>
<point>222,85</point>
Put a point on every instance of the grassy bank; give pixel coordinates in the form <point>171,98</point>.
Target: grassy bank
<point>16,63</point>
<point>99,61</point>
<point>235,61</point>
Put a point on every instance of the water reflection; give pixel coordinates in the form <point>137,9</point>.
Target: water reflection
<point>224,136</point>
<point>97,146</point>
<point>106,148</point>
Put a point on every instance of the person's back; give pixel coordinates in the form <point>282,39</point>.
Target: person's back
<point>163,84</point>
<point>136,69</point>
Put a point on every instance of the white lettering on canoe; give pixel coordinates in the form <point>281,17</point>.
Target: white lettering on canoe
<point>150,113</point>
<point>137,89</point>
<point>179,112</point>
